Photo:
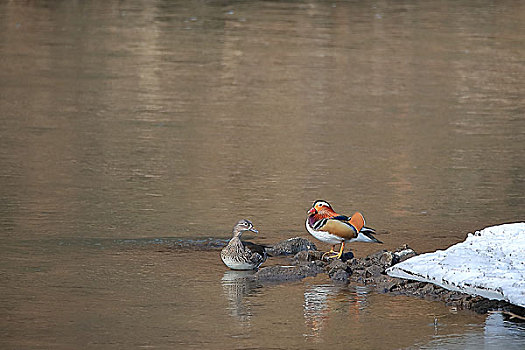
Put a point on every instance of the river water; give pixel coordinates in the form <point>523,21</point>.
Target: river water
<point>134,134</point>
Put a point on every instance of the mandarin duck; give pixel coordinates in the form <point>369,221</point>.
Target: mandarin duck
<point>327,226</point>
<point>239,255</point>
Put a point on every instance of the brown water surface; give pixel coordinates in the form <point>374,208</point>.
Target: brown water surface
<point>128,126</point>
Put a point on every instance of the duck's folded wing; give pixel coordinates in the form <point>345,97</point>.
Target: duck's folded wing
<point>342,225</point>
<point>341,228</point>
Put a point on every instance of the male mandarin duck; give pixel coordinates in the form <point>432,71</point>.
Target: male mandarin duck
<point>327,226</point>
<point>239,255</point>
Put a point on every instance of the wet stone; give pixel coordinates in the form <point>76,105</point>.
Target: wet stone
<point>287,273</point>
<point>339,271</point>
<point>320,263</point>
<point>291,246</point>
<point>374,271</point>
<point>308,255</point>
<point>340,276</point>
<point>386,284</point>
<point>375,257</point>
<point>337,265</point>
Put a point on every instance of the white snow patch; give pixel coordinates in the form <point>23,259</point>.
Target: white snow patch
<point>489,263</point>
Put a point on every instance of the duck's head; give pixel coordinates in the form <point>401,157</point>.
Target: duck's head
<point>243,225</point>
<point>322,208</point>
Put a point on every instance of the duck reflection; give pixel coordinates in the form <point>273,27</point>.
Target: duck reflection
<point>237,285</point>
<point>320,301</point>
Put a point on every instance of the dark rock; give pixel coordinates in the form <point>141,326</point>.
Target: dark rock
<point>287,273</point>
<point>347,256</point>
<point>375,257</point>
<point>374,271</point>
<point>339,271</point>
<point>340,276</point>
<point>337,265</point>
<point>455,296</point>
<point>291,246</point>
<point>386,284</point>
<point>320,263</point>
<point>357,268</point>
<point>308,255</point>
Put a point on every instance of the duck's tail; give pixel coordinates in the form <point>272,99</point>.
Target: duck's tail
<point>364,234</point>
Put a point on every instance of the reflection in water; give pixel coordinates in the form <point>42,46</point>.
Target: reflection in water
<point>236,286</point>
<point>322,300</point>
<point>497,333</point>
<point>316,309</point>
<point>501,333</point>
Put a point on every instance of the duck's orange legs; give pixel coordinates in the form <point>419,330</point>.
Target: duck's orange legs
<point>330,252</point>
<point>336,254</point>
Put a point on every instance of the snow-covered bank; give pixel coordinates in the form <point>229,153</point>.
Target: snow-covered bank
<point>489,263</point>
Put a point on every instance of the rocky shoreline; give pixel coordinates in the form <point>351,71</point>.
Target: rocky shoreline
<point>306,261</point>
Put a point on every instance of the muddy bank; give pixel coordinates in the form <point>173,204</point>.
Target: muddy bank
<point>305,260</point>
